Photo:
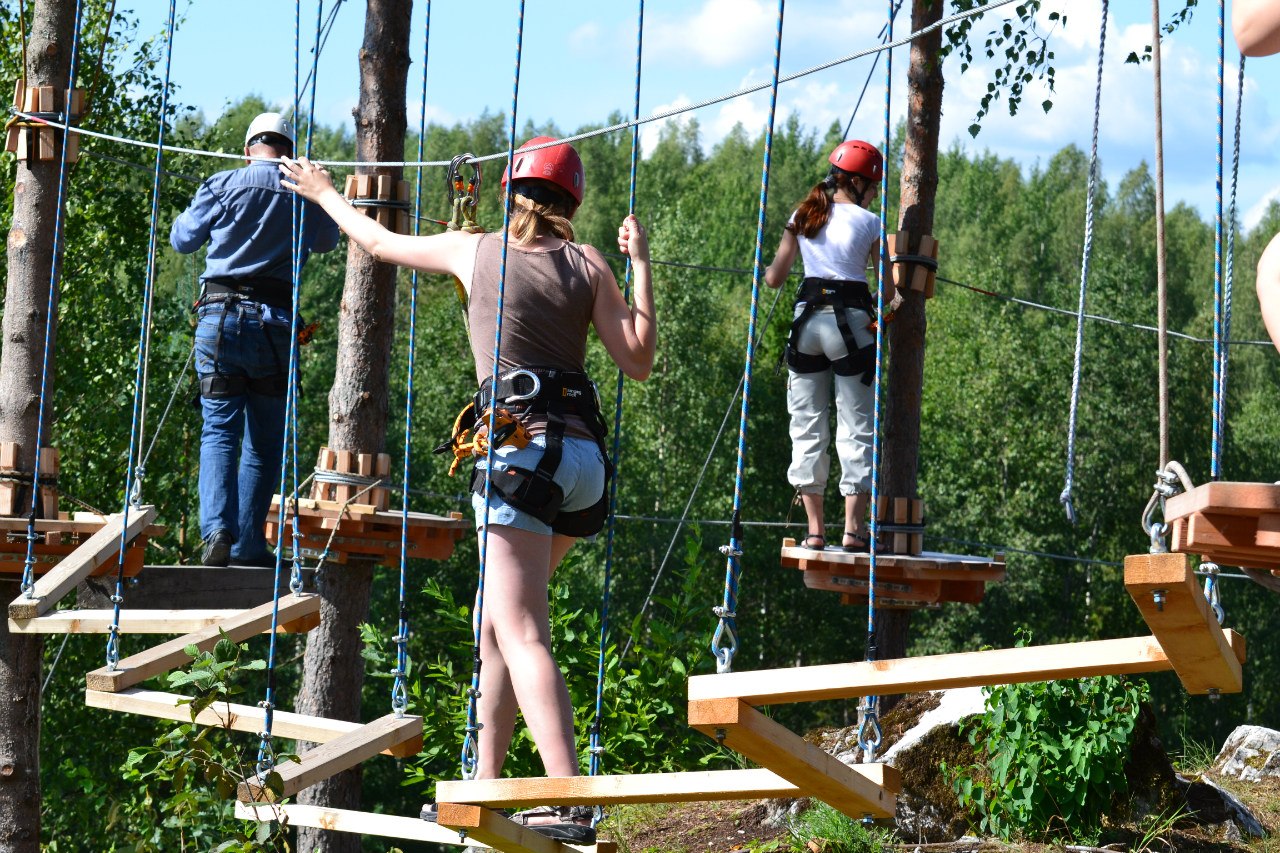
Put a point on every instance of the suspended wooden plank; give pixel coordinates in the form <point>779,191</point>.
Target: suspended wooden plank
<point>1225,498</point>
<point>697,786</point>
<point>1131,655</point>
<point>1166,590</point>
<point>78,565</point>
<point>193,587</point>
<point>403,734</point>
<point>498,832</point>
<point>740,727</point>
<point>98,621</point>
<point>916,591</point>
<point>346,820</point>
<point>227,715</point>
<point>1235,540</point>
<point>171,655</point>
<point>928,565</point>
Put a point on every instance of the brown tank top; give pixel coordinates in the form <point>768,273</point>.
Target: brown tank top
<point>547,303</point>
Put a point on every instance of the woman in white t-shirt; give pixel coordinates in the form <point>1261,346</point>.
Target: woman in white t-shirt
<point>833,337</point>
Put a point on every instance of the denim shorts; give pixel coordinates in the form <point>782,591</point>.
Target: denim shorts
<point>580,474</point>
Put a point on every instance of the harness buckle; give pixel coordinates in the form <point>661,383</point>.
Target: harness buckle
<point>517,397</point>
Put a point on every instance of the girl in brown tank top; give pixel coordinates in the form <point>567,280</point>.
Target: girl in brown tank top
<point>554,289</point>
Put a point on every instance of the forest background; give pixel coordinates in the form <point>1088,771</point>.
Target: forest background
<point>992,458</point>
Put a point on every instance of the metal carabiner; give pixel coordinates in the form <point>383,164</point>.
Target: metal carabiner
<point>519,398</point>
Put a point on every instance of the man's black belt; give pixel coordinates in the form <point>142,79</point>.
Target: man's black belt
<point>275,292</point>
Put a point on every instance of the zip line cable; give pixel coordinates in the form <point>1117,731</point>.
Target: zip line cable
<point>27,583</point>
<point>613,128</point>
<point>1078,364</point>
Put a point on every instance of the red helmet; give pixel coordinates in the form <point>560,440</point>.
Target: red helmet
<point>559,164</point>
<point>858,157</point>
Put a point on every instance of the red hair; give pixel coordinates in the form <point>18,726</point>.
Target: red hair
<point>812,214</point>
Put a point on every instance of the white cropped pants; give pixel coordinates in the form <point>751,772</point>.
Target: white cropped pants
<point>809,401</point>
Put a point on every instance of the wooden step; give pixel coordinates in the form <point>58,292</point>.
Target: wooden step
<point>347,820</point>
<point>1183,622</point>
<point>132,670</point>
<point>928,565</point>
<point>193,587</point>
<point>98,621</point>
<point>75,567</point>
<point>742,728</point>
<point>1131,655</point>
<point>494,830</point>
<point>228,715</point>
<point>341,753</point>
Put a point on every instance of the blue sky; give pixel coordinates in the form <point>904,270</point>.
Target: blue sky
<point>579,63</point>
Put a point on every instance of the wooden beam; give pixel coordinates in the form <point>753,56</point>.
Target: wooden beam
<point>1226,499</point>
<point>494,830</point>
<point>98,621</point>
<point>171,655</point>
<point>698,786</point>
<point>341,753</point>
<point>1167,592</point>
<point>346,820</point>
<point>938,672</point>
<point>225,715</point>
<point>77,565</point>
<point>193,587</point>
<point>740,727</point>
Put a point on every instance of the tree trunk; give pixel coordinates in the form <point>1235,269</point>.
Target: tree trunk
<point>906,333</point>
<point>26,312</point>
<point>333,669</point>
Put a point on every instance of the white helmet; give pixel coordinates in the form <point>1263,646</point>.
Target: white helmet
<point>270,123</point>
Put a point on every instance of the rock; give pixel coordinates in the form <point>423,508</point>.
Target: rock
<point>1210,804</point>
<point>1251,754</point>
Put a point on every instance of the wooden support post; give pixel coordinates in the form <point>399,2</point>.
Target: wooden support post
<point>15,132</point>
<point>341,753</point>
<point>80,563</point>
<point>228,715</point>
<point>347,820</point>
<point>345,464</point>
<point>47,148</point>
<point>171,655</point>
<point>325,461</point>
<point>48,467</point>
<point>901,541</point>
<point>403,225</point>
<point>9,452</point>
<point>916,543</point>
<point>74,112</point>
<point>737,725</point>
<point>10,491</point>
<point>496,831</point>
<point>1167,592</point>
<point>383,214</point>
<point>382,494</point>
<point>364,468</point>
<point>1131,655</point>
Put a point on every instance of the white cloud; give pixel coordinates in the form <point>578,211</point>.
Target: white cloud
<point>1259,209</point>
<point>718,33</point>
<point>585,37</point>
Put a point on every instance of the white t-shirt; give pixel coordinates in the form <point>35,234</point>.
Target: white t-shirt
<point>841,249</point>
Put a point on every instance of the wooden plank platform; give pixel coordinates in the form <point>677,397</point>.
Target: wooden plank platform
<point>928,565</point>
<point>1235,524</point>
<point>75,567</point>
<point>1183,622</point>
<point>98,621</point>
<point>195,587</point>
<point>137,668</point>
<point>1131,655</point>
<point>363,530</point>
<point>498,832</point>
<point>226,715</point>
<point>1226,498</point>
<point>741,727</point>
<point>402,735</point>
<point>696,786</point>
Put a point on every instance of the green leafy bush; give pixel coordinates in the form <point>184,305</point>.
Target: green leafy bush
<point>1055,754</point>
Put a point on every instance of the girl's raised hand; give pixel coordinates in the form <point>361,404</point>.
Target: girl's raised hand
<point>304,177</point>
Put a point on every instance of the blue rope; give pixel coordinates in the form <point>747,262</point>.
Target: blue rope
<point>1219,348</point>
<point>597,749</point>
<point>289,460</point>
<point>726,629</point>
<point>28,567</point>
<point>132,495</point>
<point>869,736</point>
<point>1078,365</point>
<point>470,754</point>
<point>399,687</point>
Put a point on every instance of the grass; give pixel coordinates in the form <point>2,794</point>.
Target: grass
<point>833,832</point>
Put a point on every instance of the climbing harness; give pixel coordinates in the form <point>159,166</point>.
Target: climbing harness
<point>842,296</point>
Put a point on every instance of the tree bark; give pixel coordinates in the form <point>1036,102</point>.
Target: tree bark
<point>26,313</point>
<point>919,189</point>
<point>333,669</point>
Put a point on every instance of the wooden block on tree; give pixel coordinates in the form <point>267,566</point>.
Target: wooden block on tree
<point>74,111</point>
<point>497,831</point>
<point>15,132</point>
<point>349,188</point>
<point>8,498</point>
<point>929,246</point>
<point>341,753</point>
<point>9,452</point>
<point>326,460</point>
<point>916,543</point>
<point>171,655</point>
<point>1167,592</point>
<point>744,729</point>
<point>79,564</point>
<point>901,541</point>
<point>364,184</point>
<point>897,244</point>
<point>49,494</point>
<point>345,464</point>
<point>47,148</point>
<point>382,470</point>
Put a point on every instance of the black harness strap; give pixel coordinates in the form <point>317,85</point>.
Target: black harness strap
<point>814,293</point>
<point>231,293</point>
<point>552,393</point>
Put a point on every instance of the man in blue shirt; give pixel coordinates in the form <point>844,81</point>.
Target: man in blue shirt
<point>242,336</point>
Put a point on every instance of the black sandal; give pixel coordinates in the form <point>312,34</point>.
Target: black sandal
<point>571,824</point>
<point>861,544</point>
<point>807,541</point>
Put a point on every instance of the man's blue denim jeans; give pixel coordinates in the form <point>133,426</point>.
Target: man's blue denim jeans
<point>241,442</point>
